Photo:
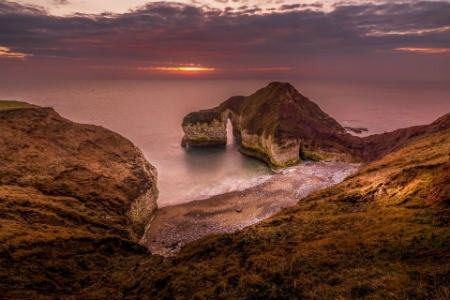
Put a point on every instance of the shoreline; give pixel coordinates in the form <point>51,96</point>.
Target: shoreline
<point>174,226</point>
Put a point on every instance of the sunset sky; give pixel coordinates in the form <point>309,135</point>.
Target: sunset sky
<point>377,40</point>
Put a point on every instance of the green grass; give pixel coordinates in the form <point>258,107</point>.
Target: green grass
<point>10,104</point>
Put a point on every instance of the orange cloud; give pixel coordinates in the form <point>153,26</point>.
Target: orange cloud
<point>6,52</point>
<point>407,32</point>
<point>424,50</point>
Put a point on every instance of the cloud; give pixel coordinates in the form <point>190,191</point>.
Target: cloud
<point>6,53</point>
<point>424,50</point>
<point>242,38</point>
<point>12,8</point>
<point>298,6</point>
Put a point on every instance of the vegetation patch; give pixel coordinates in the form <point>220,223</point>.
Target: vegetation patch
<point>7,104</point>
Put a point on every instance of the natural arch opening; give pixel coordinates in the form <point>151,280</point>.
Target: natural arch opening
<point>301,153</point>
<point>229,132</point>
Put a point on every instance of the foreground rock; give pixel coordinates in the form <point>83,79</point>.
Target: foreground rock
<point>175,226</point>
<point>71,196</point>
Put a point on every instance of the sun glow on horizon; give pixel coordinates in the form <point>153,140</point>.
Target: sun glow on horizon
<point>424,50</point>
<point>179,69</point>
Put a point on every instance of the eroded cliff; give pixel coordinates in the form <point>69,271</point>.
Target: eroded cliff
<point>70,196</point>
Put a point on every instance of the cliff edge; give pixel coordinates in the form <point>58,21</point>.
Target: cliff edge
<point>70,195</point>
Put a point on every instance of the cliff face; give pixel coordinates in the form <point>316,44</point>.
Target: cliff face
<point>280,126</point>
<point>70,195</point>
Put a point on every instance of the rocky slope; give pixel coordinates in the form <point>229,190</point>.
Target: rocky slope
<point>282,127</point>
<point>71,195</point>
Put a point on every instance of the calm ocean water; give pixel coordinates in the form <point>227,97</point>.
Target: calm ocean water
<point>149,113</point>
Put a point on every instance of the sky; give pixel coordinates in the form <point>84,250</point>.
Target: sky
<point>348,40</point>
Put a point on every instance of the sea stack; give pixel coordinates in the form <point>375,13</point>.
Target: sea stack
<point>204,128</point>
<point>276,124</point>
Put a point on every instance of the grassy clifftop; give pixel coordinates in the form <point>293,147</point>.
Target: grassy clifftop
<point>10,104</point>
<point>381,234</point>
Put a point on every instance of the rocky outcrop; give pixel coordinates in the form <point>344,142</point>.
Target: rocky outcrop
<point>204,128</point>
<point>70,196</point>
<point>57,157</point>
<point>280,126</point>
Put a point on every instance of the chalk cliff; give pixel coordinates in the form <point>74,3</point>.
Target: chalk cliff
<point>280,126</point>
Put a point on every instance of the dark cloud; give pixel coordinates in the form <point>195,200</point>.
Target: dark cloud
<point>12,8</point>
<point>297,6</point>
<point>177,33</point>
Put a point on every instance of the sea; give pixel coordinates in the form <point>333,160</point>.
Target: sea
<point>150,112</point>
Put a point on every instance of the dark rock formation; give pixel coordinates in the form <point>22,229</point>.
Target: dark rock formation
<point>357,130</point>
<point>71,195</point>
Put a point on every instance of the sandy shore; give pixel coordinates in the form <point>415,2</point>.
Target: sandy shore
<point>175,226</point>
